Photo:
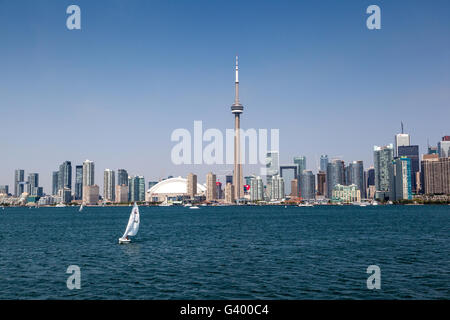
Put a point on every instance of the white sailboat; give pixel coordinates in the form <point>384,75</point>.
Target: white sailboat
<point>132,226</point>
<point>81,208</point>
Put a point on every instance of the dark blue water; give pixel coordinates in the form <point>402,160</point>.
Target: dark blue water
<point>227,253</point>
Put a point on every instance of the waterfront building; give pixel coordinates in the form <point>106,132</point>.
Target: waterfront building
<point>383,157</point>
<point>229,193</point>
<point>122,177</point>
<point>321,183</point>
<point>109,185</point>
<point>346,194</point>
<point>19,176</point>
<point>191,185</point>
<point>121,193</point>
<point>335,175</point>
<point>136,188</point>
<point>436,175</point>
<point>411,152</point>
<point>401,187</point>
<point>78,182</point>
<point>211,190</point>
<point>91,194</point>
<point>307,185</point>
<point>323,163</point>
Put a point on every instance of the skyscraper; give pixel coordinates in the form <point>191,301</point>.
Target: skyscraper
<point>229,193</point>
<point>401,140</point>
<point>237,109</point>
<point>191,185</point>
<point>19,176</point>
<point>33,183</point>
<point>109,185</point>
<point>211,189</point>
<point>301,164</point>
<point>88,173</point>
<point>136,188</point>
<point>436,175</point>
<point>256,189</point>
<point>443,147</point>
<point>401,186</point>
<point>323,163</point>
<point>65,175</point>
<point>412,152</point>
<point>55,182</point>
<point>382,159</point>
<point>277,189</point>
<point>122,177</point>
<point>356,176</point>
<point>321,183</point>
<point>335,175</point>
<point>307,185</point>
<point>78,182</point>
<point>4,189</point>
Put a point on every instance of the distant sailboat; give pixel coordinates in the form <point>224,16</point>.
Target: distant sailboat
<point>81,208</point>
<point>133,225</point>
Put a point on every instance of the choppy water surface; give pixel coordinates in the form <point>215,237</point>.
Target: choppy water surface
<point>227,253</point>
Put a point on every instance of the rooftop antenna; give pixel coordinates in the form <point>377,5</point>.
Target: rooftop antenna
<point>402,126</point>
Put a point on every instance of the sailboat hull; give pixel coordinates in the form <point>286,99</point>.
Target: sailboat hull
<point>123,240</point>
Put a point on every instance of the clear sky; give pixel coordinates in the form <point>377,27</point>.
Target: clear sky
<point>114,91</point>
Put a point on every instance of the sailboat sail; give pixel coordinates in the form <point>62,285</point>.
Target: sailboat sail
<point>133,223</point>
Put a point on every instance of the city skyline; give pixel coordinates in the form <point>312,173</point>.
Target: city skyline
<point>317,66</point>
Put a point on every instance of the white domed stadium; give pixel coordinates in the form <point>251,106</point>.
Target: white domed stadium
<point>171,189</point>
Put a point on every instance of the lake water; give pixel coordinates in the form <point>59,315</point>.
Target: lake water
<point>241,252</point>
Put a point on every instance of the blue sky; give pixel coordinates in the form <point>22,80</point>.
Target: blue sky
<point>114,91</point>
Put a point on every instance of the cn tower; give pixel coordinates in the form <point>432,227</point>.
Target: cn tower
<point>237,108</point>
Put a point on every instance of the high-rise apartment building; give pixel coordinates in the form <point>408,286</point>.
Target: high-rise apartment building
<point>109,185</point>
<point>122,177</point>
<point>321,183</point>
<point>256,189</point>
<point>122,193</point>
<point>382,159</point>
<point>323,163</point>
<point>191,185</point>
<point>211,190</point>
<point>356,176</point>
<point>277,188</point>
<point>436,175</point>
<point>33,183</point>
<point>19,178</point>
<point>335,175</point>
<point>55,182</point>
<point>78,182</point>
<point>91,194</point>
<point>307,185</point>
<point>229,193</point>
